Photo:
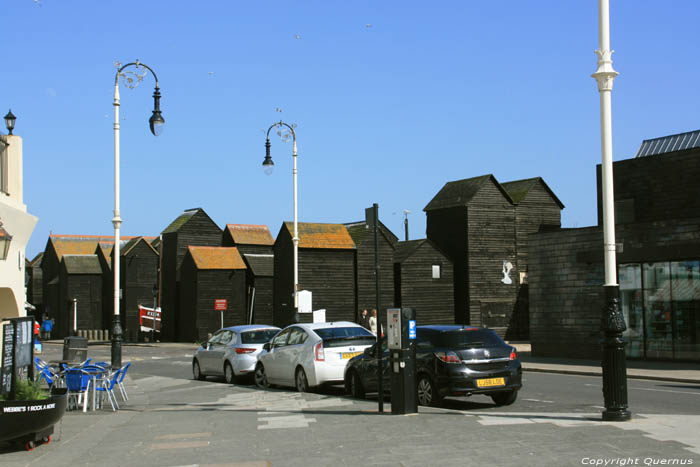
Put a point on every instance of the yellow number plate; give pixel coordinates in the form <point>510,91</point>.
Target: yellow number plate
<point>490,382</point>
<point>352,354</point>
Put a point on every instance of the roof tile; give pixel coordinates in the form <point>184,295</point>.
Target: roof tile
<point>216,257</point>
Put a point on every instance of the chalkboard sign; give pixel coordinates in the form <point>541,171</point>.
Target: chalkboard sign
<point>23,346</point>
<point>8,338</point>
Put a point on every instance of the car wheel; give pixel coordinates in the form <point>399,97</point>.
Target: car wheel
<point>427,392</point>
<point>504,398</point>
<point>196,371</point>
<point>261,377</point>
<point>229,375</point>
<point>302,383</point>
<point>355,387</point>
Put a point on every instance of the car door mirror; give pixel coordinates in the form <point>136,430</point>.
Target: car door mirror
<point>267,346</point>
<point>369,351</point>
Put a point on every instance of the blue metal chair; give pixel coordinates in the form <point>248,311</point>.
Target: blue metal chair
<point>107,386</point>
<point>78,384</point>
<point>120,382</point>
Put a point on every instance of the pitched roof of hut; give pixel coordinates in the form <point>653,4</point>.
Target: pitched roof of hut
<point>461,192</point>
<point>359,230</point>
<point>216,257</point>
<point>261,265</point>
<point>326,236</point>
<point>245,234</point>
<point>131,244</point>
<point>519,189</point>
<point>81,264</point>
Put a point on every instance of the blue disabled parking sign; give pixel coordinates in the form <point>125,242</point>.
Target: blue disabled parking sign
<point>411,328</point>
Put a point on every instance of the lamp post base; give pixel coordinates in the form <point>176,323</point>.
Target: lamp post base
<point>117,343</point>
<point>614,364</point>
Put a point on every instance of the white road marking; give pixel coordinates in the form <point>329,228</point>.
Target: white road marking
<point>537,400</point>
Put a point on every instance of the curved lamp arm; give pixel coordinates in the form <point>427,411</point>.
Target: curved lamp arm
<point>156,121</point>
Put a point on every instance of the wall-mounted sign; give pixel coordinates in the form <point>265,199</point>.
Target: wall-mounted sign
<point>220,304</point>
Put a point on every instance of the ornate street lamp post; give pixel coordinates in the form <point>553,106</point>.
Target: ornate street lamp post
<point>268,165</point>
<point>156,122</point>
<point>612,321</point>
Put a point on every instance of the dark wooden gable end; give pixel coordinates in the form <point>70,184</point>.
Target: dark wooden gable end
<point>80,278</point>
<point>471,220</point>
<point>138,271</point>
<point>192,228</point>
<point>56,247</point>
<point>208,274</point>
<point>35,284</point>
<point>326,268</point>
<point>255,242</point>
<point>363,236</point>
<point>424,281</point>
<point>537,209</point>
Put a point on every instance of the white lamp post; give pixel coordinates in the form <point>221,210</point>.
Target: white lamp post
<point>268,165</point>
<point>156,122</point>
<point>612,321</point>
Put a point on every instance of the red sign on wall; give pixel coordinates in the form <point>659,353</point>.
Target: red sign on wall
<point>220,304</point>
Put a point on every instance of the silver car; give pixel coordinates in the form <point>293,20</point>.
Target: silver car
<point>231,351</point>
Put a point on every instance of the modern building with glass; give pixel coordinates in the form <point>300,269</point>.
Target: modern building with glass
<point>657,209</point>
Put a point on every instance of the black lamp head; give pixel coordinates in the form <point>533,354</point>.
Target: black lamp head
<point>268,165</point>
<point>10,121</point>
<point>157,122</point>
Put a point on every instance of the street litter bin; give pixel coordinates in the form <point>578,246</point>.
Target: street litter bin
<point>75,348</point>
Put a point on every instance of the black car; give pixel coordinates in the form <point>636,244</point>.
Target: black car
<point>451,360</point>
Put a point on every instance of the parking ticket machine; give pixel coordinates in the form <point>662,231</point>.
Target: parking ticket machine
<point>401,340</point>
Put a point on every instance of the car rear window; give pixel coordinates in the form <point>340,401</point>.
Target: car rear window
<point>338,337</point>
<point>467,338</point>
<point>258,337</point>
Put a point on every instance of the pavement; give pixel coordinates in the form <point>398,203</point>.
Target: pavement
<point>177,421</point>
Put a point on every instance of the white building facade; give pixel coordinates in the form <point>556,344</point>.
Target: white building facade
<point>17,223</point>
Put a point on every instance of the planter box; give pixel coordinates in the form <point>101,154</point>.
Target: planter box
<point>26,421</point>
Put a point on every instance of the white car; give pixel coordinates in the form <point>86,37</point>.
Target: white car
<point>309,355</point>
<point>231,351</point>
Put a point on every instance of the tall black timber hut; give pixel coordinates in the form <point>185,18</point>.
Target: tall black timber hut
<point>80,279</point>
<point>363,236</point>
<point>326,268</point>
<point>423,280</point>
<point>138,279</point>
<point>479,225</point>
<point>208,274</point>
<point>254,243</point>
<point>537,209</point>
<point>35,284</point>
<point>192,228</point>
<point>56,247</point>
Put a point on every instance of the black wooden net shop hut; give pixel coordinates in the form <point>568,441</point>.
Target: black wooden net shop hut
<point>479,225</point>
<point>192,228</point>
<point>209,274</point>
<point>363,236</point>
<point>254,243</point>
<point>326,268</point>
<point>139,275</point>
<point>423,280</point>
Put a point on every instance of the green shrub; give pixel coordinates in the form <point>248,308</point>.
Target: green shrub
<point>26,390</point>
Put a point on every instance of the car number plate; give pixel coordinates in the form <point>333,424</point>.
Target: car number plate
<point>345,355</point>
<point>490,382</point>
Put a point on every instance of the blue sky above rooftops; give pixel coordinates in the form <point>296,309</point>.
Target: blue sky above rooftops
<point>391,100</point>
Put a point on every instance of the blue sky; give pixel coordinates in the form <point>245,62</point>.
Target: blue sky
<point>392,99</point>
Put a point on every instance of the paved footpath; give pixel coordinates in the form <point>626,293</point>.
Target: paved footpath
<point>180,422</point>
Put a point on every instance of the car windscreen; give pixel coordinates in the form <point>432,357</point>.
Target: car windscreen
<point>338,337</point>
<point>259,336</point>
<point>467,339</point>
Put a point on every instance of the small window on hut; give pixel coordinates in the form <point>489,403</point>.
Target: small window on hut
<point>436,271</point>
